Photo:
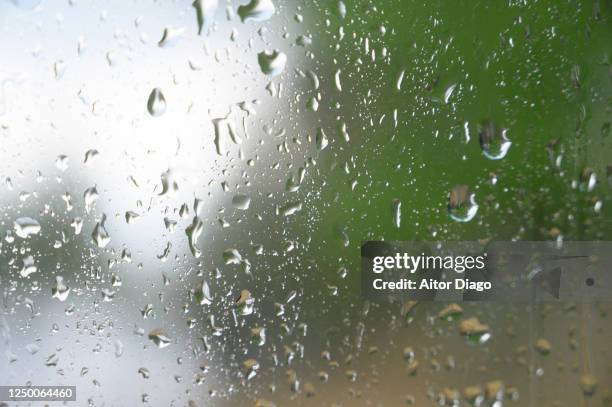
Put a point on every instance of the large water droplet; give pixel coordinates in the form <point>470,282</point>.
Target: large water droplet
<point>272,63</point>
<point>193,232</point>
<point>25,227</point>
<point>60,290</point>
<point>250,368</point>
<point>449,92</point>
<point>588,180</point>
<point>341,9</point>
<point>493,141</point>
<point>245,303</point>
<point>241,201</point>
<point>61,162</point>
<point>205,13</point>
<point>202,293</point>
<point>256,10</point>
<point>290,208</point>
<point>588,384</point>
<point>472,326</point>
<point>321,139</point>
<point>90,196</point>
<point>462,205</point>
<point>100,235</point>
<point>159,338</point>
<point>131,217</point>
<point>27,266</point>
<point>90,155</point>
<point>170,36</point>
<point>169,184</point>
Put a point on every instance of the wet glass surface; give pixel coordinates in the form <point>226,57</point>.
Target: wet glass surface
<point>184,189</point>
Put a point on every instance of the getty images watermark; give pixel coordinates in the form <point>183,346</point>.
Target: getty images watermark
<point>493,271</point>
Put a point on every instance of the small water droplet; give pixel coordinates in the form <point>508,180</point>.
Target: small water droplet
<point>156,105</point>
<point>59,67</point>
<point>396,207</point>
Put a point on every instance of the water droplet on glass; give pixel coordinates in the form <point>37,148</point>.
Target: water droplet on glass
<point>462,205</point>
<point>156,105</point>
<point>163,257</point>
<point>27,266</point>
<point>290,208</point>
<point>58,69</point>
<point>588,180</point>
<point>170,36</point>
<point>250,368</point>
<point>543,346</point>
<point>90,155</point>
<point>131,217</point>
<point>241,201</point>
<point>341,9</point>
<point>77,225</point>
<point>272,63</point>
<point>169,184</point>
<point>337,81</point>
<point>61,162</point>
<point>396,209</point>
<point>400,79</point>
<point>449,92</point>
<point>258,335</point>
<point>90,196</point>
<point>303,40</point>
<point>202,293</point>
<point>193,232</point>
<point>60,290</point>
<point>100,235</point>
<point>256,10</point>
<point>588,385</point>
<point>205,12</point>
<point>107,295</point>
<point>118,348</point>
<point>493,141</point>
<point>159,338</point>
<point>26,227</point>
<point>245,303</point>
<point>321,139</point>
<point>473,327</point>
